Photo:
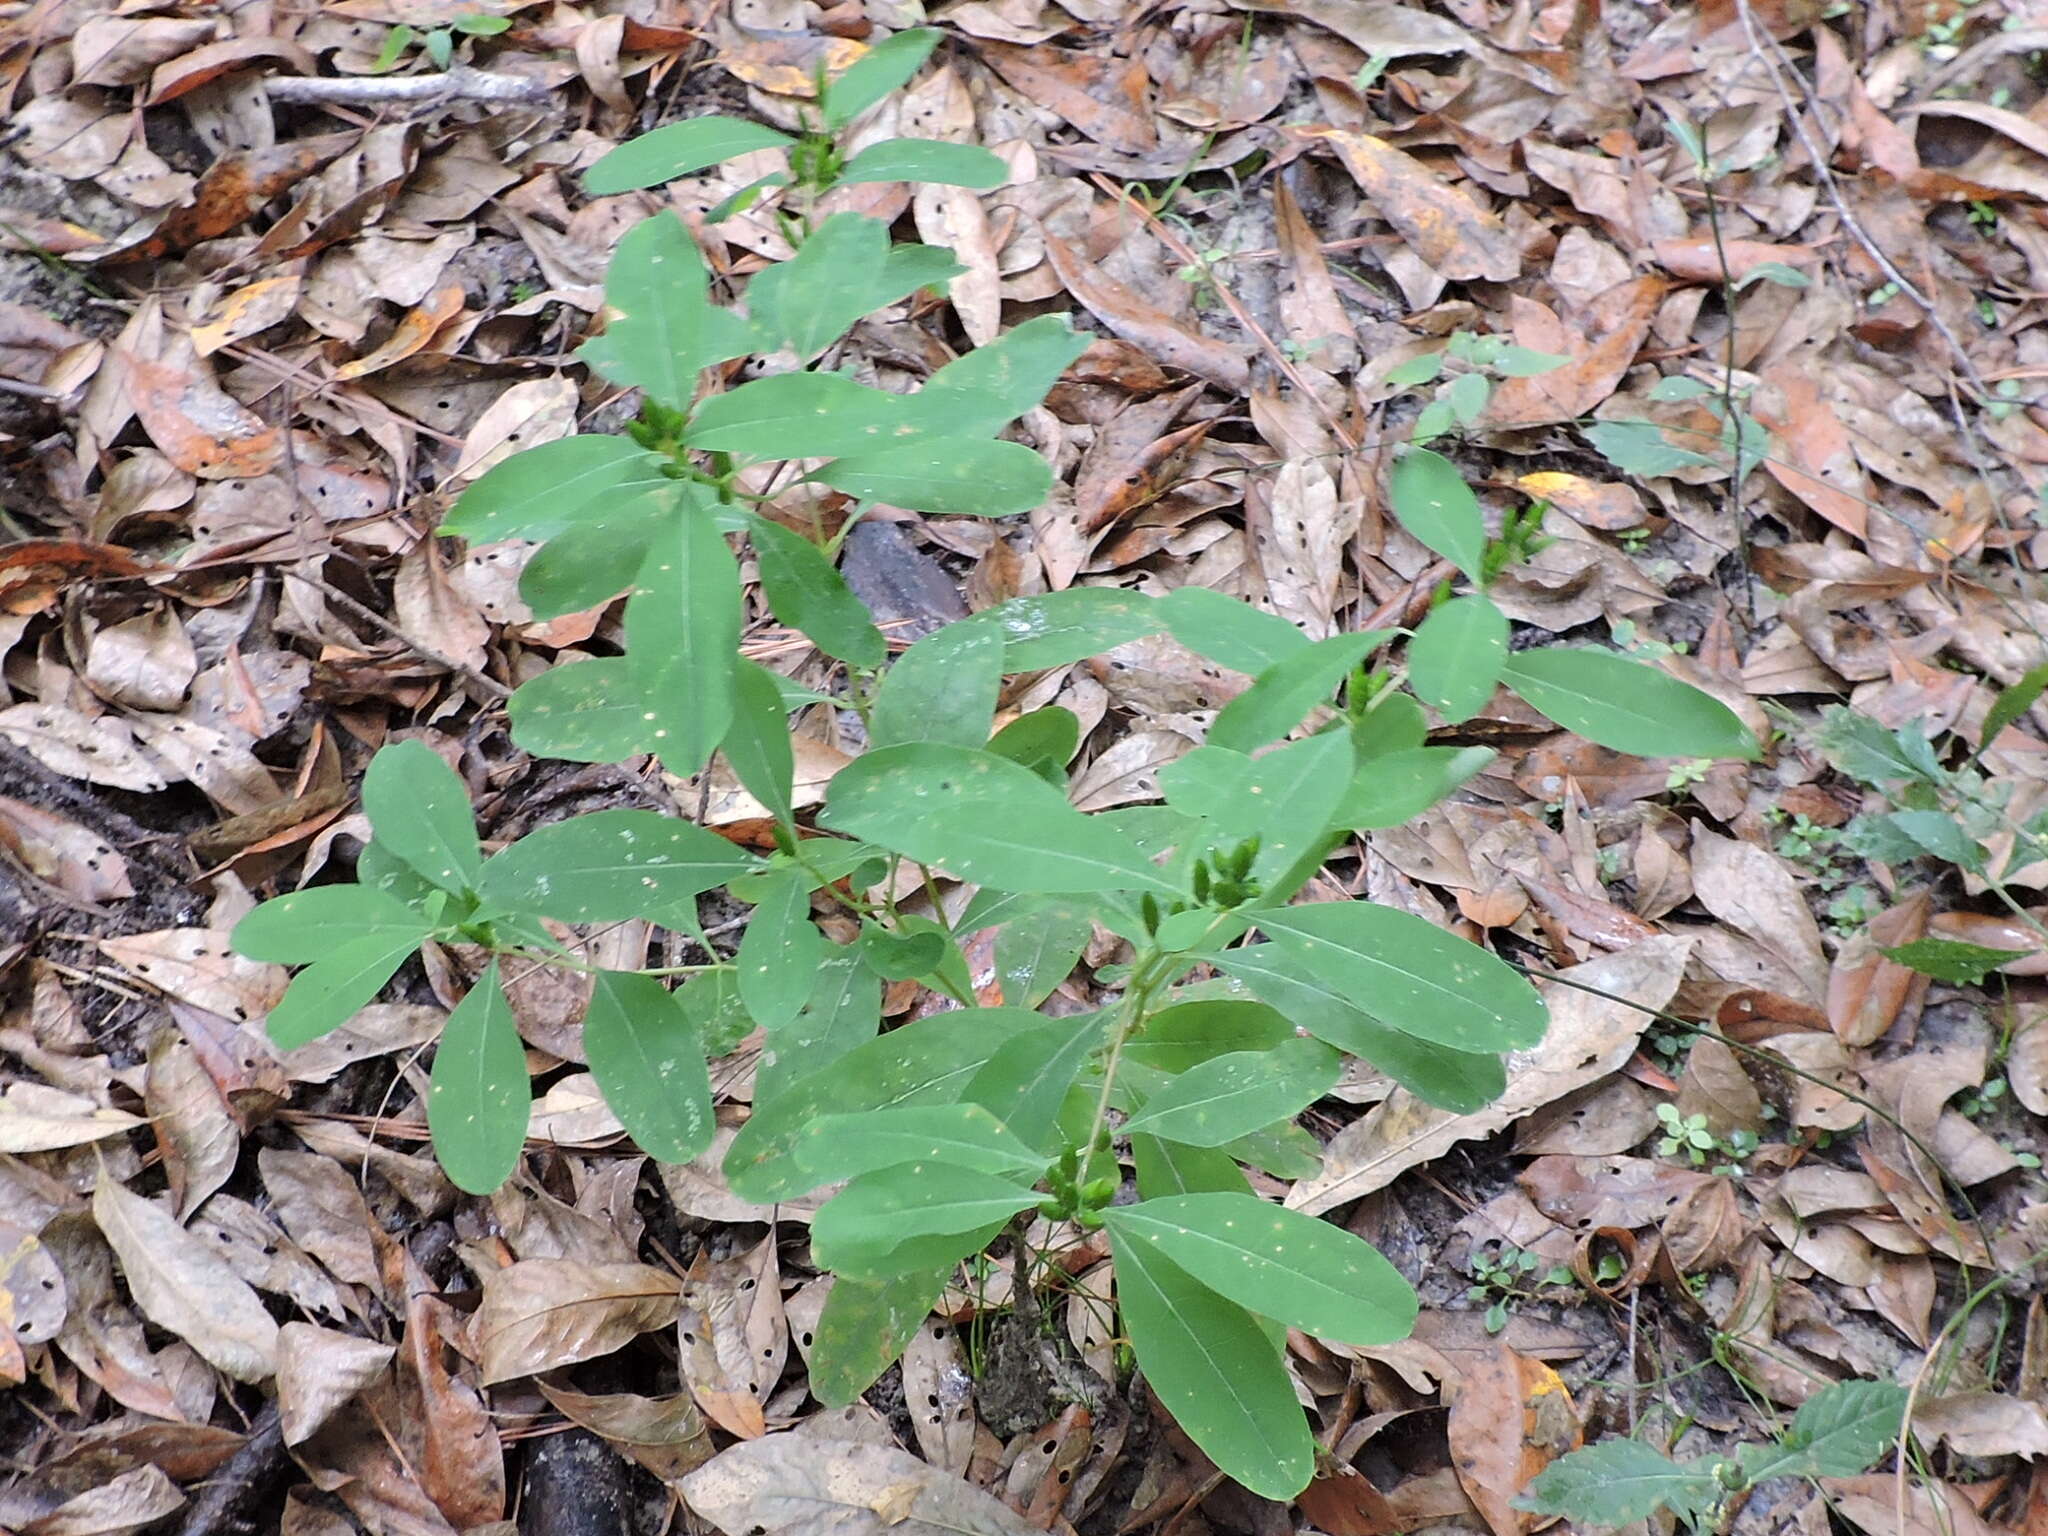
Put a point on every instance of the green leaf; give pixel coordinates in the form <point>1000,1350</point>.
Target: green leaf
<point>901,956</point>
<point>1392,722</point>
<point>2013,702</point>
<point>1287,690</point>
<point>1026,1081</point>
<point>1285,798</point>
<point>682,639</point>
<point>666,330</point>
<point>932,161</point>
<point>978,394</point>
<point>1174,1168</point>
<point>1410,972</point>
<point>1055,628</point>
<point>1679,387</point>
<point>1627,705</point>
<point>757,745</point>
<point>420,810</point>
<point>1639,448</point>
<point>299,928</point>
<point>943,689</point>
<point>901,1218</point>
<point>548,489</point>
<point>805,592</point>
<point>1216,1371</point>
<point>1460,1081</point>
<point>799,415</point>
<point>1939,834</point>
<point>929,1061</point>
<point>607,866</point>
<point>585,712</point>
<point>1454,659</point>
<point>1399,786</point>
<point>840,1147</point>
<point>842,1014</point>
<point>1773,272</point>
<point>1518,362</point>
<point>1184,1035</point>
<point>648,1060</point>
<point>780,951</point>
<point>1293,1268</point>
<point>1950,960</point>
<point>883,68</point>
<point>1838,1432</point>
<point>1617,1482</point>
<point>1229,630</point>
<point>1045,741</point>
<point>1467,396</point>
<point>1433,502</point>
<point>678,149</point>
<point>1421,369</point>
<point>379,869</point>
<point>969,476</point>
<point>864,1328</point>
<point>809,301</point>
<point>327,993</point>
<point>1038,951</point>
<point>1233,1095</point>
<point>986,819</point>
<point>478,1099</point>
<point>599,558</point>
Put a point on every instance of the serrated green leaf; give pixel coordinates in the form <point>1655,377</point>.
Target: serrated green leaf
<point>420,811</point>
<point>1233,1095</point>
<point>968,476</point>
<point>807,593</point>
<point>983,817</point>
<point>1460,1081</point>
<point>1229,630</point>
<point>1627,705</point>
<point>1639,448</point>
<point>648,1060</point>
<point>757,746</point>
<point>1838,1432</point>
<point>841,1147</point>
<point>1056,628</point>
<point>1293,1268</point>
<point>478,1098</point>
<point>978,394</point>
<point>1454,659</point>
<point>932,161</point>
<point>548,489</point>
<point>327,993</point>
<point>799,415</point>
<point>666,330</point>
<point>906,1217</point>
<point>1216,1371</point>
<point>780,951</point>
<point>929,1061</point>
<point>1939,834</point>
<point>885,67</point>
<point>1408,971</point>
<point>1617,1482</point>
<point>1287,690</point>
<point>585,712</point>
<point>682,638</point>
<point>678,149</point>
<point>865,1326</point>
<point>1952,960</point>
<point>1432,501</point>
<point>1390,790</point>
<point>943,689</point>
<point>607,866</point>
<point>1037,951</point>
<point>302,926</point>
<point>2013,702</point>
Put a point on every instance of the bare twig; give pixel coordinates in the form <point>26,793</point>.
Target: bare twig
<point>489,685</point>
<point>458,84</point>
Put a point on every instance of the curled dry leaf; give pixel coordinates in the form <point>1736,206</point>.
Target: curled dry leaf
<point>782,1484</point>
<point>183,1286</point>
<point>666,1435</point>
<point>146,662</point>
<point>318,1371</point>
<point>541,1313</point>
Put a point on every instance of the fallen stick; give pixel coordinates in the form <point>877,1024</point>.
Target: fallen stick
<point>458,84</point>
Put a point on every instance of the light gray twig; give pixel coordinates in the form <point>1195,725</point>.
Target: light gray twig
<point>458,84</point>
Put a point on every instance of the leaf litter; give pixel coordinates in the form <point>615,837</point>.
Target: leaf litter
<point>265,307</point>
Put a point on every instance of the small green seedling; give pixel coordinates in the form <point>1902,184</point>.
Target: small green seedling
<point>1690,1137</point>
<point>437,43</point>
<point>1510,1275</point>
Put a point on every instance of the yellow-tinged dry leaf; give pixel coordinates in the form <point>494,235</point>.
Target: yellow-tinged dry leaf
<point>1510,1418</point>
<point>266,302</point>
<point>183,1286</point>
<point>1454,235</point>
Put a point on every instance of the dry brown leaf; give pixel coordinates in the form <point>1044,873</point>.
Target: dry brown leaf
<point>1757,894</point>
<point>71,857</point>
<point>1589,1037</point>
<point>199,426</point>
<point>1128,315</point>
<point>1714,1085</point>
<point>146,662</point>
<point>524,416</point>
<point>199,966</point>
<point>433,610</point>
<point>319,1371</point>
<point>782,1483</point>
<point>35,1118</point>
<point>136,1498</point>
<point>184,1286</point>
<point>938,1392</point>
<point>1870,1503</point>
<point>1455,236</point>
<point>1301,543</point>
<point>317,1201</point>
<point>666,1435</point>
<point>1106,97</point>
<point>1510,1418</point>
<point>199,1139</point>
<point>462,1461</point>
<point>541,1313</point>
<point>96,748</point>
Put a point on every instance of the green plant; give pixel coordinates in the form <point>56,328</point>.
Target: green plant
<point>1839,1432</point>
<point>1509,1275</point>
<point>1467,367</point>
<point>437,43</point>
<point>1689,1136</point>
<point>950,1133</point>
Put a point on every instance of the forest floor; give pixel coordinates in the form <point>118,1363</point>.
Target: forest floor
<point>268,301</point>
